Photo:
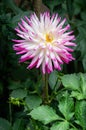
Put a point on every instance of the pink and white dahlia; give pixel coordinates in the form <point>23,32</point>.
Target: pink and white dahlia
<point>45,42</point>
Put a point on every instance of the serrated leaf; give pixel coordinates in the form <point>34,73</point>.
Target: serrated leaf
<point>18,93</point>
<point>66,106</point>
<point>18,125</point>
<point>33,101</point>
<point>77,95</point>
<point>45,114</point>
<point>81,94</point>
<point>60,126</point>
<point>80,113</point>
<point>71,81</point>
<point>4,124</point>
<point>52,79</point>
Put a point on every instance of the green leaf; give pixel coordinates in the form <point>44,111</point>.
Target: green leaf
<point>82,93</point>
<point>14,85</point>
<point>60,126</point>
<point>80,113</point>
<point>71,81</point>
<point>66,106</point>
<point>18,125</point>
<point>77,95</point>
<point>18,93</point>
<point>4,124</point>
<point>53,79</point>
<point>83,84</point>
<point>33,101</point>
<point>45,114</point>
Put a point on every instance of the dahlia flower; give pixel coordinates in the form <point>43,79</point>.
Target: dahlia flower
<point>45,42</point>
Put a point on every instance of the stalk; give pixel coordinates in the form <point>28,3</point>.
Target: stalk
<point>45,89</point>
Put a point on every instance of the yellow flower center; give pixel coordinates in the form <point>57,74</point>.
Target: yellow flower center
<point>49,37</point>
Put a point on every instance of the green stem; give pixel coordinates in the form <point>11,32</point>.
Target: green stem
<point>45,89</point>
<point>73,126</point>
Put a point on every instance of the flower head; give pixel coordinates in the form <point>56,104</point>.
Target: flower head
<point>45,42</point>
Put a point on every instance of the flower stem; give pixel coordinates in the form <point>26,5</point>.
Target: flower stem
<point>45,92</point>
<point>46,87</point>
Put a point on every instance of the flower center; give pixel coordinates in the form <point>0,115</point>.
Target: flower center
<point>49,37</point>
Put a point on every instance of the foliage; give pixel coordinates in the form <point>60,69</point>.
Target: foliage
<point>22,105</point>
<point>44,111</point>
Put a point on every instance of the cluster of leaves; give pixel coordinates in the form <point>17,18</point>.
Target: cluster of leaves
<point>66,109</point>
<point>22,90</point>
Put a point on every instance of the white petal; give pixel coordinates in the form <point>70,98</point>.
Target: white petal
<point>39,62</point>
<point>43,67</point>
